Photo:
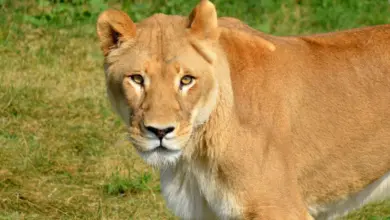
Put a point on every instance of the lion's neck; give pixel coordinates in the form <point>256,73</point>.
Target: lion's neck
<point>213,137</point>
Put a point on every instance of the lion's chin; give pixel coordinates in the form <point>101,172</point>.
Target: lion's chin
<point>160,157</point>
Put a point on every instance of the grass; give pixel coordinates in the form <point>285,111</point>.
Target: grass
<point>63,153</point>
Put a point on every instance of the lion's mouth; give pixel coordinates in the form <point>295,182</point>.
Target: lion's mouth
<point>162,148</point>
<point>154,145</point>
<point>157,152</point>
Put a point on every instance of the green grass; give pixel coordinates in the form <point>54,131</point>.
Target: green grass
<point>63,153</point>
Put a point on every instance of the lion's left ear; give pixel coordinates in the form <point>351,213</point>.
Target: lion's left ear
<point>204,21</point>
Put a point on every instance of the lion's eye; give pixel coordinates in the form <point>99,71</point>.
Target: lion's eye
<point>186,80</point>
<point>137,79</point>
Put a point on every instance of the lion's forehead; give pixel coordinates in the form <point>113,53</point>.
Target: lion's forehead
<point>162,35</point>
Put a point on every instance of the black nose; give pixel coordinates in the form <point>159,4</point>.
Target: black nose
<point>160,133</point>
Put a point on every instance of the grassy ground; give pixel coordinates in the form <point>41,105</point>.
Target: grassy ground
<point>63,153</point>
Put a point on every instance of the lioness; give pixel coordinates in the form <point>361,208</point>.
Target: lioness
<point>245,125</point>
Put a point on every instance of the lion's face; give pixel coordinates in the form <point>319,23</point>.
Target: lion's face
<point>162,87</point>
<point>163,101</point>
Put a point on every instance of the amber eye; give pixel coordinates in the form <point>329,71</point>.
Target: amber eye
<point>137,79</point>
<point>186,80</point>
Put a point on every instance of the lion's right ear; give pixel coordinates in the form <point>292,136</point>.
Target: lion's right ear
<point>113,28</point>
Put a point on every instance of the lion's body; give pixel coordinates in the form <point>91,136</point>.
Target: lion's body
<point>331,93</point>
<point>275,128</point>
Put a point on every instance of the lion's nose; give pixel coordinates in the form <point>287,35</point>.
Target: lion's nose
<point>160,132</point>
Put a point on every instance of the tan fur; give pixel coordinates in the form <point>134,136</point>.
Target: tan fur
<point>271,126</point>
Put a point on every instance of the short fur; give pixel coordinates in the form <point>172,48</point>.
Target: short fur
<point>272,127</point>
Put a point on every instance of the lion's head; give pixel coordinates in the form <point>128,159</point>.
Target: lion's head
<point>161,77</point>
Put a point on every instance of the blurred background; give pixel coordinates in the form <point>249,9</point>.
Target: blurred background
<point>63,153</point>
